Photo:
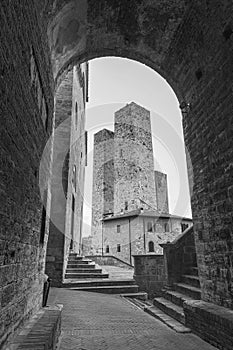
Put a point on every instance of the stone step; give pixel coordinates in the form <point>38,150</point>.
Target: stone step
<point>86,275</point>
<point>191,280</point>
<point>193,271</point>
<point>75,258</point>
<point>81,266</point>
<point>186,289</point>
<point>109,289</point>
<point>81,270</point>
<point>98,283</point>
<point>169,321</point>
<point>73,254</point>
<point>139,295</point>
<point>176,297</point>
<point>79,263</point>
<point>170,309</point>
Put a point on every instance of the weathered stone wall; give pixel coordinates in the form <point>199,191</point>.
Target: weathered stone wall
<point>161,192</point>
<point>149,274</point>
<point>133,160</point>
<point>102,188</point>
<point>73,230</point>
<point>26,113</point>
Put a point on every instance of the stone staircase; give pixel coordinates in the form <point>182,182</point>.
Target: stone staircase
<point>82,275</point>
<point>172,301</point>
<point>80,268</point>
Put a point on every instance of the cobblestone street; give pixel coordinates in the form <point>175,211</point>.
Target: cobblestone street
<point>93,321</point>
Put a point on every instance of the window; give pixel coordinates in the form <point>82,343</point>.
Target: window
<point>76,115</point>
<point>118,248</point>
<point>149,226</point>
<point>118,228</point>
<point>184,227</point>
<point>126,205</point>
<point>166,227</point>
<point>107,249</point>
<point>121,153</point>
<point>151,246</point>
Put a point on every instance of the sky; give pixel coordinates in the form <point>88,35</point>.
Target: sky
<point>114,82</point>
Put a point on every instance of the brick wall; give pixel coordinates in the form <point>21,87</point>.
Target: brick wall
<point>26,110</point>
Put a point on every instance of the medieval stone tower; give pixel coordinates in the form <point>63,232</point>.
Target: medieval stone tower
<point>103,181</point>
<point>123,169</point>
<point>134,183</point>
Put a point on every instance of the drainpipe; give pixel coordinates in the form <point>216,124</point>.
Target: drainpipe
<point>130,248</point>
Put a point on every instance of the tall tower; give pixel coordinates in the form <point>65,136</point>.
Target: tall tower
<point>134,182</point>
<point>103,183</point>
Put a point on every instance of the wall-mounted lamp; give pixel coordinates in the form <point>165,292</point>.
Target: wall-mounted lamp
<point>185,107</point>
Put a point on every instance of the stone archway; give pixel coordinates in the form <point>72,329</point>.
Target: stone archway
<point>173,38</point>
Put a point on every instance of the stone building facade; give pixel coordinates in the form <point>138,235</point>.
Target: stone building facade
<point>140,232</point>
<point>69,160</point>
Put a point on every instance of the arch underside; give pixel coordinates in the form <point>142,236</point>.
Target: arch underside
<point>139,30</point>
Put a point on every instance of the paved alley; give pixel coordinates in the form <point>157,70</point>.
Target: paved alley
<point>93,321</point>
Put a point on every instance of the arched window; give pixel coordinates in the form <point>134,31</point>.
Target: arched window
<point>107,249</point>
<point>151,246</point>
<point>149,226</point>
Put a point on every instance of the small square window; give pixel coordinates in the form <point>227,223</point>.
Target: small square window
<point>118,228</point>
